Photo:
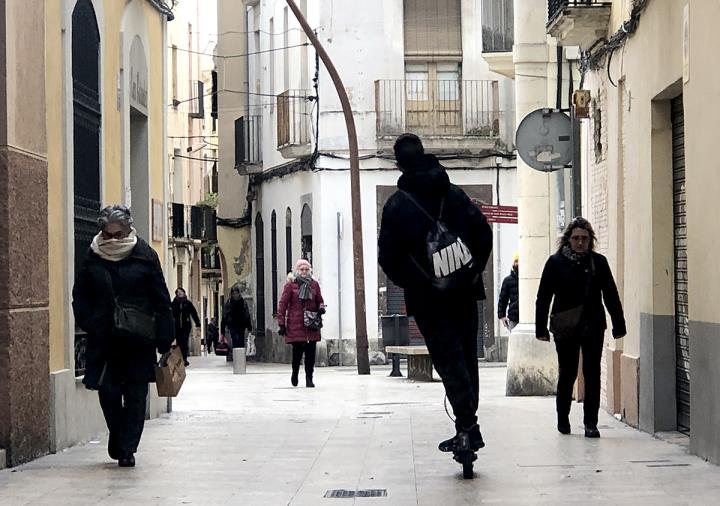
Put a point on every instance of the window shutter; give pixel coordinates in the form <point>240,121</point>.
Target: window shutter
<point>432,29</point>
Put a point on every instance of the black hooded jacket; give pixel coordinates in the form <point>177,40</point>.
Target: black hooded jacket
<point>183,310</point>
<point>137,278</point>
<point>404,231</point>
<point>508,304</point>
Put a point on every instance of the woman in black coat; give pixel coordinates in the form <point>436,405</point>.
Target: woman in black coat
<point>579,280</point>
<point>120,266</point>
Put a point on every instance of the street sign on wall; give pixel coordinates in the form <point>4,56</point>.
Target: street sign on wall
<point>500,214</point>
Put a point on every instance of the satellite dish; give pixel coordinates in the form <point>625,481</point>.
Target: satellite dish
<point>544,140</point>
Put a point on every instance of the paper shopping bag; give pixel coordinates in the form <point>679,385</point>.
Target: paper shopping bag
<point>170,373</point>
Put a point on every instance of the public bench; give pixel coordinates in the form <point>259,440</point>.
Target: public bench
<point>420,366</point>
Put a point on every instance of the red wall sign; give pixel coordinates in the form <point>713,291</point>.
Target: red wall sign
<point>500,214</point>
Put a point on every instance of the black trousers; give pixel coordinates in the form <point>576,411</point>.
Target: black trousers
<point>568,355</point>
<point>451,338</point>
<point>308,349</point>
<point>183,339</point>
<point>124,408</point>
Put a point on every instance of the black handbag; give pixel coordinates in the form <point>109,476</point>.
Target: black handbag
<point>312,319</point>
<point>566,324</point>
<point>131,321</point>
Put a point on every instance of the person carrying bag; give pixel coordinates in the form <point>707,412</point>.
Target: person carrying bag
<point>577,280</point>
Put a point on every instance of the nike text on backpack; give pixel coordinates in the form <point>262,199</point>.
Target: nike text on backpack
<point>453,266</point>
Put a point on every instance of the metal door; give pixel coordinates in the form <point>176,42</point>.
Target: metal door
<point>682,334</point>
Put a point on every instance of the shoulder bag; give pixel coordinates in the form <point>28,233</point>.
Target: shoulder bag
<point>565,324</point>
<point>131,321</point>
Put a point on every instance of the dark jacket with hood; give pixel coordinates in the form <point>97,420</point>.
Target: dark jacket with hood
<point>138,279</point>
<point>404,231</point>
<point>236,316</point>
<point>563,282</point>
<point>508,301</point>
<point>184,310</point>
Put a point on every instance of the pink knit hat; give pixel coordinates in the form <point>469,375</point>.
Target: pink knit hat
<point>302,263</point>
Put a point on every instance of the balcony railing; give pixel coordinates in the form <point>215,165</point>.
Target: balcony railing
<point>248,141</point>
<point>497,26</point>
<point>193,223</point>
<point>437,108</point>
<point>555,7</point>
<point>293,118</point>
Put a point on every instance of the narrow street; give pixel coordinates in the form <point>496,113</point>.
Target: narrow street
<point>255,440</point>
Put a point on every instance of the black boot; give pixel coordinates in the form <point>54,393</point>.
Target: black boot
<point>127,460</point>
<point>308,381</point>
<point>563,425</point>
<point>476,440</point>
<point>592,431</point>
<point>294,376</point>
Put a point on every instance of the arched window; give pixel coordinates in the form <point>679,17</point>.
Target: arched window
<point>274,260</point>
<point>259,276</point>
<point>86,141</point>
<point>306,233</point>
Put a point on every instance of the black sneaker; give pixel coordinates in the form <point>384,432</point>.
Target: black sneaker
<point>591,431</point>
<point>127,461</point>
<point>563,425</point>
<point>476,441</point>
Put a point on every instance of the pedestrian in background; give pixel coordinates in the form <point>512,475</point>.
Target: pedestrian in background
<point>121,276</point>
<point>577,280</point>
<point>236,320</point>
<point>508,302</point>
<point>299,316</point>
<point>434,243</point>
<point>212,335</point>
<point>183,310</point>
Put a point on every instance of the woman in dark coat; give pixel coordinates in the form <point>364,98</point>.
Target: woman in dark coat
<point>183,311</point>
<point>301,293</point>
<point>122,267</point>
<point>577,277</point>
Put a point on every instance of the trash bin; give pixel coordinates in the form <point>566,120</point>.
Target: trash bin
<point>395,333</point>
<point>395,330</point>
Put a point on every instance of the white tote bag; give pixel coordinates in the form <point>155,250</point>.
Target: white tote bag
<point>250,349</point>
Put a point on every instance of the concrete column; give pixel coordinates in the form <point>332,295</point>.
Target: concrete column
<point>24,316</point>
<point>532,364</point>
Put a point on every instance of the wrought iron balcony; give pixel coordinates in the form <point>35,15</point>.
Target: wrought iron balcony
<point>248,144</point>
<point>434,108</point>
<point>294,123</point>
<point>497,26</point>
<point>578,22</point>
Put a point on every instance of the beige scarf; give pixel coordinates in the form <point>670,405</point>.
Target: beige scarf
<point>114,249</point>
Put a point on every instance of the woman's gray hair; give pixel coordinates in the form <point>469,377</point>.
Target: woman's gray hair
<point>116,213</point>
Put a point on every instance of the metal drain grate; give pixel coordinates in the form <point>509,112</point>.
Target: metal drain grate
<point>349,494</point>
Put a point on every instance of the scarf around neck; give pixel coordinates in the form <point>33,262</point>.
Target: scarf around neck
<point>570,254</point>
<point>304,286</point>
<point>114,250</point>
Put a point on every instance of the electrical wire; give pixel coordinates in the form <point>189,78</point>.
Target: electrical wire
<point>239,55</point>
<point>197,158</point>
<point>289,97</point>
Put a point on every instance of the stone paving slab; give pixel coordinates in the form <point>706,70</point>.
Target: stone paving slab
<point>255,440</point>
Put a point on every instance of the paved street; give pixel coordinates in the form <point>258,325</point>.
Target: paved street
<point>255,440</point>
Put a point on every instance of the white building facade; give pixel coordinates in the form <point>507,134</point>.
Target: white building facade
<point>412,65</point>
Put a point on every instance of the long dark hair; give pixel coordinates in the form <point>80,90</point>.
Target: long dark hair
<point>578,222</point>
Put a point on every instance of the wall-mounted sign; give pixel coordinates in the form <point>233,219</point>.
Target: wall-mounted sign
<point>138,77</point>
<point>157,220</point>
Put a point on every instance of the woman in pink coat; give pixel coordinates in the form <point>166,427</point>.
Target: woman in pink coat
<point>299,316</point>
